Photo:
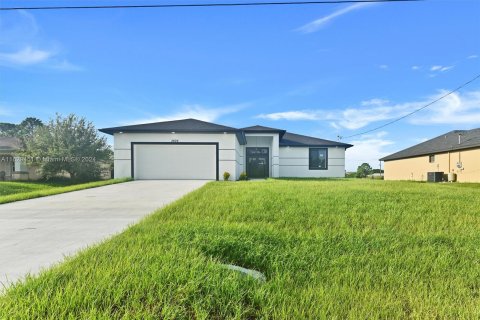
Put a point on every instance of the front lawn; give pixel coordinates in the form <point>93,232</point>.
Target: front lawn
<point>13,187</point>
<point>11,191</point>
<point>330,249</point>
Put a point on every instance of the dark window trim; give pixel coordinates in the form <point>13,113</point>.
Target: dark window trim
<point>431,158</point>
<point>326,159</point>
<point>132,151</point>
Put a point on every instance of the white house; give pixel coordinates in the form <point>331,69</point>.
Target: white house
<point>194,149</point>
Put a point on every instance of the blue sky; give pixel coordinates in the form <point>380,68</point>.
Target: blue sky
<point>322,70</point>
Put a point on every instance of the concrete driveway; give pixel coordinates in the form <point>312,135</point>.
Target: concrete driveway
<point>37,233</point>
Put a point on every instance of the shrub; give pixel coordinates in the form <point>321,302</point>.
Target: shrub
<point>243,176</point>
<point>226,176</point>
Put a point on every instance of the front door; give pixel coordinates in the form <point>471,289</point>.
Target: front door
<point>257,163</point>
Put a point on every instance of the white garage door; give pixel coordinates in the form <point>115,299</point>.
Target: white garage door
<point>175,161</point>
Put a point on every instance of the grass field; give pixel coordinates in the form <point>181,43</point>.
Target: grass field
<point>11,191</point>
<point>330,249</point>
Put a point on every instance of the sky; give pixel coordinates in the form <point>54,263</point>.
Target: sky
<point>320,70</point>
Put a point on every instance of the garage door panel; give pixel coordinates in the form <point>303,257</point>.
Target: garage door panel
<point>173,161</point>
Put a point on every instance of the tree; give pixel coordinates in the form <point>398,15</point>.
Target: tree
<point>23,131</point>
<point>69,144</point>
<point>8,129</point>
<point>363,170</point>
<point>27,127</point>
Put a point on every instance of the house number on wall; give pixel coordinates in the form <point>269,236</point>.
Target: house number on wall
<point>174,140</point>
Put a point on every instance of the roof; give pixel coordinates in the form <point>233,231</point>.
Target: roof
<point>297,140</point>
<point>197,126</point>
<point>185,125</point>
<point>450,141</point>
<point>10,144</point>
<point>263,129</point>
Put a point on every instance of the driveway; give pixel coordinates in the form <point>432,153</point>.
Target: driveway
<point>36,233</point>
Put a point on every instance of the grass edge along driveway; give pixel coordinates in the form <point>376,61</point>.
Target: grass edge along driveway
<point>53,190</point>
<point>342,249</point>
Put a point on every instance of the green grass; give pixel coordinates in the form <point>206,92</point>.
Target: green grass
<point>339,249</point>
<point>11,191</point>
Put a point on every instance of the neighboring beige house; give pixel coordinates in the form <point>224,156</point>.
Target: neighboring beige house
<point>11,165</point>
<point>455,152</point>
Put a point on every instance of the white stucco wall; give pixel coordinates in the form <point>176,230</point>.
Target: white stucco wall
<point>294,163</point>
<point>227,148</point>
<point>239,160</point>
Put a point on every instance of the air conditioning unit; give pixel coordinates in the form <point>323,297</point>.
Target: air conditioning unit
<point>436,176</point>
<point>452,177</point>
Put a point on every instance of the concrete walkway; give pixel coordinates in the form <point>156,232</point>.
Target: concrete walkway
<point>37,233</point>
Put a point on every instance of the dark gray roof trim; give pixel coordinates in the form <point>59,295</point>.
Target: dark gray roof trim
<point>263,129</point>
<point>297,140</point>
<point>451,141</point>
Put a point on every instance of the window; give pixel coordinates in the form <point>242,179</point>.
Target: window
<point>431,158</point>
<point>19,166</point>
<point>318,159</point>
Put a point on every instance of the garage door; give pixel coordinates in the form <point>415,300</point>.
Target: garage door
<point>175,161</point>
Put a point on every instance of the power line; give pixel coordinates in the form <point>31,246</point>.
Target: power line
<point>171,5</point>
<point>417,110</point>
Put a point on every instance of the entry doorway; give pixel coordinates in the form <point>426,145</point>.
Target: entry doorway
<point>257,163</point>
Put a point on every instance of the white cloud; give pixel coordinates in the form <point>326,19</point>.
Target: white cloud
<point>374,102</point>
<point>367,148</point>
<point>440,68</point>
<point>458,108</point>
<point>335,126</point>
<point>321,22</point>
<point>17,28</point>
<point>25,56</point>
<point>383,66</point>
<point>65,65</point>
<point>416,68</point>
<point>454,109</point>
<point>473,56</point>
<point>195,111</point>
<point>291,115</point>
<point>356,118</point>
<point>446,68</point>
<point>22,44</point>
<point>350,118</point>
